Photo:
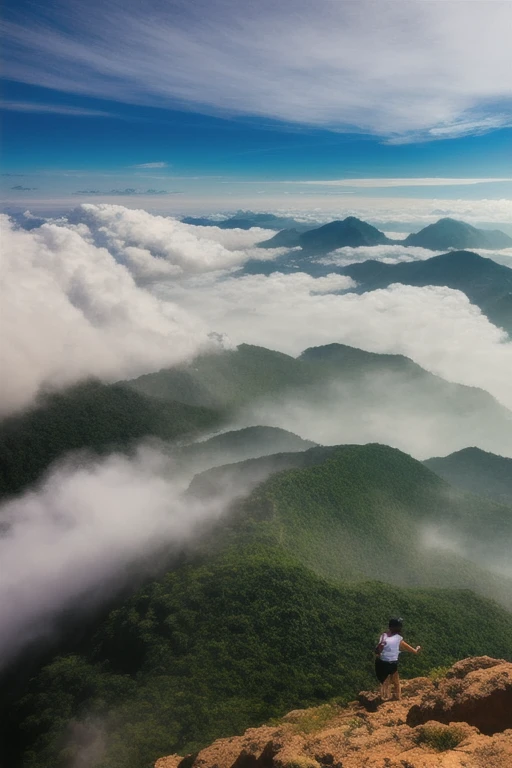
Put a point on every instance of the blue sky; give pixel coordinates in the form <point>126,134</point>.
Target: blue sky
<point>225,100</point>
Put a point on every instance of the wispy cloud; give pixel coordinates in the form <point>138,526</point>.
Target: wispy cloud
<point>151,165</point>
<point>128,191</point>
<point>56,109</point>
<point>401,70</point>
<point>419,182</point>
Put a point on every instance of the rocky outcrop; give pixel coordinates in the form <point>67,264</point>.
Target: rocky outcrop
<point>476,691</point>
<point>462,720</point>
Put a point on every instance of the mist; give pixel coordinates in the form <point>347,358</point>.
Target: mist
<point>85,531</point>
<point>391,408</point>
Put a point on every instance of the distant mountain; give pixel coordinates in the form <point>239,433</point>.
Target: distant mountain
<point>227,379</point>
<point>247,220</point>
<point>286,238</point>
<point>485,283</point>
<point>328,394</point>
<point>450,233</point>
<point>476,471</point>
<point>239,445</point>
<point>338,393</point>
<point>339,234</point>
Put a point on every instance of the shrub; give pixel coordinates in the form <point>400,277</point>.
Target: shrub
<point>440,737</point>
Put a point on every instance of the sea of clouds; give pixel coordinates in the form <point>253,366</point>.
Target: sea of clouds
<point>112,292</point>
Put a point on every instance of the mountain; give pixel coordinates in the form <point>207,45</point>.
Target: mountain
<point>328,395</point>
<point>261,619</point>
<point>336,394</point>
<point>499,312</point>
<point>91,416</point>
<point>228,378</point>
<point>329,512</point>
<point>286,238</point>
<point>485,283</point>
<point>239,445</point>
<point>247,220</point>
<point>450,233</point>
<point>456,706</point>
<point>476,471</point>
<point>338,234</point>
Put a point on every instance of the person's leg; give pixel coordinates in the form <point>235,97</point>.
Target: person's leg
<point>384,688</point>
<point>395,681</point>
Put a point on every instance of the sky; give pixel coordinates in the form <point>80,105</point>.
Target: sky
<point>209,106</point>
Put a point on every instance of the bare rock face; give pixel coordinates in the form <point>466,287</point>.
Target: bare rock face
<point>463,720</point>
<point>476,691</point>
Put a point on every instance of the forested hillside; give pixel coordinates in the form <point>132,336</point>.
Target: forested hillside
<point>477,471</point>
<point>93,417</point>
<point>272,612</point>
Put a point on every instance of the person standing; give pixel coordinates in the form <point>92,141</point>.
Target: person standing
<point>388,649</point>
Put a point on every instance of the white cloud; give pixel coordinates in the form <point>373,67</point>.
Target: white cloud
<point>155,246</point>
<point>399,69</point>
<point>385,212</point>
<point>151,165</point>
<point>395,408</point>
<point>56,109</point>
<point>67,544</point>
<point>404,182</point>
<point>435,326</point>
<point>72,307</point>
<point>389,254</point>
<point>413,213</point>
<point>69,311</point>
<point>116,292</point>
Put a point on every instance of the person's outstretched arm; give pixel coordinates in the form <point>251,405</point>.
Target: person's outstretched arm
<point>406,647</point>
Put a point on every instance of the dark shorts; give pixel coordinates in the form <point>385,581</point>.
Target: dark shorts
<point>383,669</point>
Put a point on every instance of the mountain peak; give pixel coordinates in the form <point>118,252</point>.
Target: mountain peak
<point>452,233</point>
<point>349,232</point>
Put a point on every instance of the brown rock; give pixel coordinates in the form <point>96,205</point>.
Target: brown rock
<point>474,691</point>
<point>462,668</point>
<point>461,722</point>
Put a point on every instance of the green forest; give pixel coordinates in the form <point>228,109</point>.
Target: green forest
<point>278,609</point>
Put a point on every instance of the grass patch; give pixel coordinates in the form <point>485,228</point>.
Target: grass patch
<point>317,718</point>
<point>440,737</point>
<point>437,673</point>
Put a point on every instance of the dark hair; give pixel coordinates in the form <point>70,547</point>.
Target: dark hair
<point>395,623</point>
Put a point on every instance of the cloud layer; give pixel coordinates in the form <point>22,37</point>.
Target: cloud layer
<point>115,292</point>
<point>72,302</point>
<point>67,543</point>
<point>435,326</point>
<point>362,66</point>
<point>69,311</point>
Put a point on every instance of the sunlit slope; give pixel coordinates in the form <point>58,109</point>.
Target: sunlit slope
<point>371,511</point>
<point>211,649</point>
<point>274,609</point>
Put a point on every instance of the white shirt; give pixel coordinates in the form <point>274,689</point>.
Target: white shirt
<point>391,649</point>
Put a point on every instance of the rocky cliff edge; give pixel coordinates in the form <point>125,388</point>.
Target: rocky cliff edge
<point>462,719</point>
